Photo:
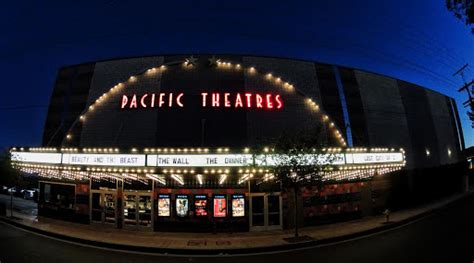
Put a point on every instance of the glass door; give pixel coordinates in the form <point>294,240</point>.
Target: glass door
<point>137,209</point>
<point>130,210</point>
<point>265,211</point>
<point>144,210</point>
<point>96,209</point>
<point>109,206</point>
<point>103,207</point>
<point>257,212</point>
<point>273,211</point>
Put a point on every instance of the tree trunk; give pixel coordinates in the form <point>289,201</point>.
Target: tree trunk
<point>295,192</point>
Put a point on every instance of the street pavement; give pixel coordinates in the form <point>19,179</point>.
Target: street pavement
<point>444,236</point>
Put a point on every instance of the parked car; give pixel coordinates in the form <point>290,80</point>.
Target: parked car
<point>29,194</point>
<point>16,191</point>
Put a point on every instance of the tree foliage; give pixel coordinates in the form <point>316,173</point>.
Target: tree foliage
<point>8,175</point>
<point>463,10</point>
<point>298,160</point>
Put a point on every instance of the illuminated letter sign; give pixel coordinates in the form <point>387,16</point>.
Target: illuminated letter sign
<point>237,100</point>
<point>364,158</point>
<point>104,159</point>
<point>29,157</point>
<point>148,100</point>
<point>208,100</point>
<point>199,160</point>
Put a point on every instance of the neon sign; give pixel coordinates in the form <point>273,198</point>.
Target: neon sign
<point>267,101</point>
<point>152,100</point>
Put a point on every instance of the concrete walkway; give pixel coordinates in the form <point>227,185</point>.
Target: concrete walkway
<point>200,242</point>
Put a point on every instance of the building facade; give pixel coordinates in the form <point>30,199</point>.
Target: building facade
<point>163,141</point>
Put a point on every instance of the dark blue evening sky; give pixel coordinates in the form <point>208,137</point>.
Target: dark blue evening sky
<point>418,41</point>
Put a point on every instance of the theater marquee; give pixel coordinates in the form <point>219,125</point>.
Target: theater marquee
<point>200,160</point>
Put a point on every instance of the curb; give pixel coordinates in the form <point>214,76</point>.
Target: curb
<point>232,251</point>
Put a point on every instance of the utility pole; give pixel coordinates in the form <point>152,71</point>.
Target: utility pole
<point>469,103</point>
<point>469,87</point>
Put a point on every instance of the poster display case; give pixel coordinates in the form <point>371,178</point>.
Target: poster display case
<point>182,205</point>
<point>200,205</point>
<point>238,205</point>
<point>220,206</point>
<point>164,205</point>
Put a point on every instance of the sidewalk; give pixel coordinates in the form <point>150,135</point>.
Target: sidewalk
<point>208,243</point>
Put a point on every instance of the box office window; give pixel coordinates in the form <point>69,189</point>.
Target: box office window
<point>60,195</point>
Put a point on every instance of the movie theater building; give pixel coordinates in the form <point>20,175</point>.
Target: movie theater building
<point>180,143</point>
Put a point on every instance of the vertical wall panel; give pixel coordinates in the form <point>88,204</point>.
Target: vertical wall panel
<point>454,126</point>
<point>331,101</point>
<point>385,114</point>
<point>295,115</point>
<point>443,125</point>
<point>420,125</point>
<point>458,121</point>
<point>67,102</point>
<point>355,108</point>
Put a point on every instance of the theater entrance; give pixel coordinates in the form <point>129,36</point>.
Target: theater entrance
<point>137,208</point>
<point>103,206</point>
<point>265,211</point>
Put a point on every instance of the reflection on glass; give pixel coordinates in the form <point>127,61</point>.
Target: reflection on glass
<point>109,205</point>
<point>144,210</point>
<point>129,209</point>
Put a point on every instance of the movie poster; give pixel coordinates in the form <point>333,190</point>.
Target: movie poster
<point>182,205</point>
<point>164,205</point>
<point>200,205</point>
<point>238,205</point>
<point>220,206</point>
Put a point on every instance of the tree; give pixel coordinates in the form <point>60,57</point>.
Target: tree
<point>9,176</point>
<point>298,160</point>
<point>463,10</point>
